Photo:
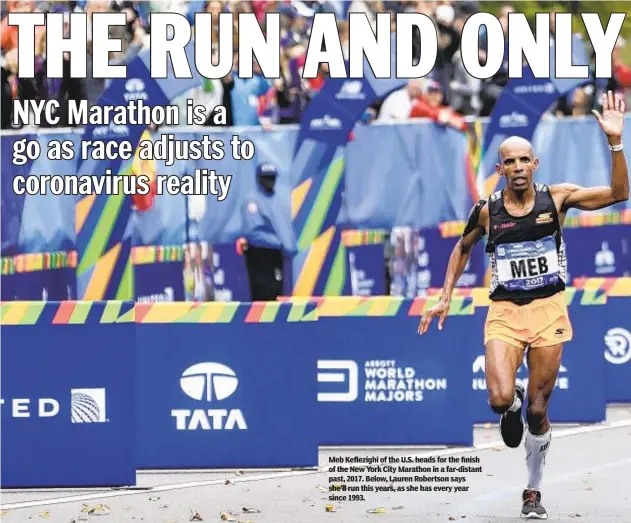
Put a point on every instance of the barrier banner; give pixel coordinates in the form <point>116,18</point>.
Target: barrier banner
<point>230,274</point>
<point>68,395</point>
<point>225,385</point>
<point>46,285</point>
<point>367,270</point>
<point>380,383</point>
<point>433,257</point>
<point>603,251</point>
<point>616,334</point>
<point>155,282</point>
<point>582,369</point>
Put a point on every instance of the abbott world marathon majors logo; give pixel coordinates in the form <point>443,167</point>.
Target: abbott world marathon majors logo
<point>209,383</point>
<point>384,382</point>
<point>86,406</point>
<point>479,367</point>
<point>618,342</point>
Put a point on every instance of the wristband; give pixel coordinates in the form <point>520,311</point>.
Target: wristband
<point>616,148</point>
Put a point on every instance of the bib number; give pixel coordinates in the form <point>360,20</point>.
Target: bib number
<point>527,265</point>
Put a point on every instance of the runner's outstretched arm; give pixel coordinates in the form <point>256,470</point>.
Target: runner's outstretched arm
<point>592,198</point>
<point>474,230</point>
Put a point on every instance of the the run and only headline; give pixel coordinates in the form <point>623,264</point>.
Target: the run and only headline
<point>172,32</point>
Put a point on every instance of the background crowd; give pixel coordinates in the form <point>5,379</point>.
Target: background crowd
<point>446,96</point>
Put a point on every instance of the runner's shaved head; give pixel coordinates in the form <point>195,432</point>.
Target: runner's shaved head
<point>515,143</point>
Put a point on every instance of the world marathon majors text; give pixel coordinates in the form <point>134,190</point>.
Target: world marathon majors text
<point>386,382</point>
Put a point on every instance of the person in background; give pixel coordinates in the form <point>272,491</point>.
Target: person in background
<point>144,202</point>
<point>245,93</point>
<point>397,105</point>
<point>430,105</point>
<point>268,235</point>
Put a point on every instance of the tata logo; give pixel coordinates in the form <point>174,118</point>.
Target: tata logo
<point>209,382</point>
<point>135,88</point>
<point>618,341</point>
<point>134,85</point>
<point>344,372</point>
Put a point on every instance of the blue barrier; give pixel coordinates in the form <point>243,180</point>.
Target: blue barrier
<point>52,284</point>
<point>214,395</point>
<point>68,395</point>
<point>244,385</point>
<point>603,251</point>
<point>382,384</point>
<point>615,332</point>
<point>582,369</point>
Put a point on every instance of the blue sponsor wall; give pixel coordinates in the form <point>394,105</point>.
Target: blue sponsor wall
<point>217,395</point>
<point>68,394</point>
<point>222,385</point>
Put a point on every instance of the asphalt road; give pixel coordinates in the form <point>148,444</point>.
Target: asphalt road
<point>587,478</point>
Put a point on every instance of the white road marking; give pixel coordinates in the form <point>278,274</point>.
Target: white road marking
<point>548,480</point>
<point>295,473</point>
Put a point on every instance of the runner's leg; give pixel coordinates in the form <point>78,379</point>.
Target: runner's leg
<point>543,365</point>
<point>505,398</point>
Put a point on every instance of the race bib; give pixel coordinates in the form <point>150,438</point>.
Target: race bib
<point>525,266</point>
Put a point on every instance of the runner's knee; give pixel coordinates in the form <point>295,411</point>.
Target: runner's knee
<point>500,400</point>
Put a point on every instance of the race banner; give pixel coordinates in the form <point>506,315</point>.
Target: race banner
<point>319,164</point>
<point>212,395</point>
<point>68,394</point>
<point>616,335</point>
<point>104,239</point>
<point>379,383</point>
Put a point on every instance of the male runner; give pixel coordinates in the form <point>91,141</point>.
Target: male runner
<point>527,254</point>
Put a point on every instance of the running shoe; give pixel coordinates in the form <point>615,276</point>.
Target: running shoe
<point>532,508</point>
<point>512,423</point>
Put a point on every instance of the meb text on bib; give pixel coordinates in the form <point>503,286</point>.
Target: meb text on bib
<point>524,266</point>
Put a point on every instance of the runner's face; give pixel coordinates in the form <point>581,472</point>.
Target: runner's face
<point>517,164</point>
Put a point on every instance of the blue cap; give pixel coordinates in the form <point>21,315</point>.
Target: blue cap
<point>266,169</point>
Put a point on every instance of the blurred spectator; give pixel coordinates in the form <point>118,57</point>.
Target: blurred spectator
<point>245,93</point>
<point>430,105</point>
<point>9,87</point>
<point>464,89</point>
<point>397,106</point>
<point>580,104</point>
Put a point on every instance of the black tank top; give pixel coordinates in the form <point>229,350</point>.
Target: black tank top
<point>527,253</point>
